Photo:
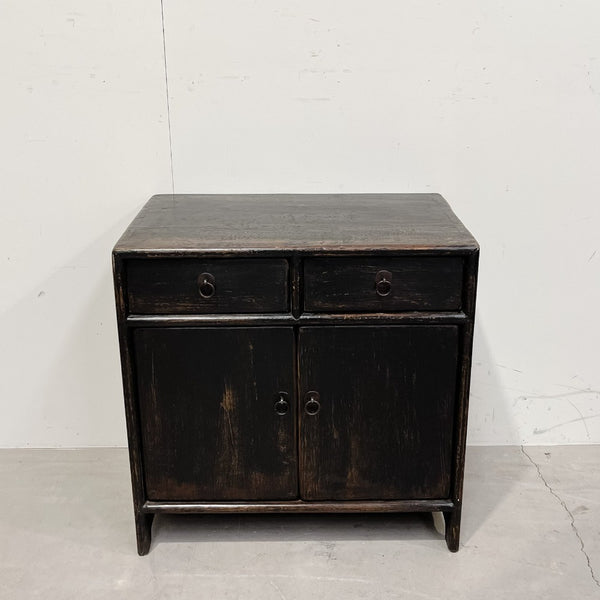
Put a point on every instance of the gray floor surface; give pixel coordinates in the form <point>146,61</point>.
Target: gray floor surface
<point>531,529</point>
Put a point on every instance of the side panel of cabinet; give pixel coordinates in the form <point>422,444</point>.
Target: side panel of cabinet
<point>209,426</point>
<point>385,423</point>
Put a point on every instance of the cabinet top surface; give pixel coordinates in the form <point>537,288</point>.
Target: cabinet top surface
<point>221,223</point>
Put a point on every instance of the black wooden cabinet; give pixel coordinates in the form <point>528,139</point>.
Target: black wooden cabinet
<point>296,353</point>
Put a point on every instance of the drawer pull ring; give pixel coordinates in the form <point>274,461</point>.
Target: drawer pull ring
<point>206,285</point>
<point>312,406</point>
<point>383,283</point>
<point>282,405</point>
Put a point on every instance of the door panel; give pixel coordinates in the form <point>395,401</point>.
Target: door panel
<point>385,422</point>
<point>210,428</point>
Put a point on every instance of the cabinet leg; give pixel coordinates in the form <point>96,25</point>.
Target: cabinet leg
<point>143,531</point>
<point>452,520</point>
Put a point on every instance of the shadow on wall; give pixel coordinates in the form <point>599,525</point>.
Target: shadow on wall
<point>63,369</point>
<point>489,416</point>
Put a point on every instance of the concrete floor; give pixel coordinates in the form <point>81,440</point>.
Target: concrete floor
<point>531,529</point>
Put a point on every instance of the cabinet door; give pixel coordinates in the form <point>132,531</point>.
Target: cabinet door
<point>384,403</point>
<point>210,426</point>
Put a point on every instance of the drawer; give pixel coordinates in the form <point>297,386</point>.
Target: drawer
<point>220,285</point>
<point>381,284</point>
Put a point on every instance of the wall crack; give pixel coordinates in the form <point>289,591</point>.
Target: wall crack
<point>571,517</point>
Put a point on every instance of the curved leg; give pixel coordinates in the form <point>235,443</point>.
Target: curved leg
<point>143,531</point>
<point>452,519</point>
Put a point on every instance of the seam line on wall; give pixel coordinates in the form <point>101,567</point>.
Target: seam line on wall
<point>162,19</point>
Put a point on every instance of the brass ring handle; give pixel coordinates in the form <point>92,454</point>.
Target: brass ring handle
<point>383,283</point>
<point>206,285</point>
<point>312,405</point>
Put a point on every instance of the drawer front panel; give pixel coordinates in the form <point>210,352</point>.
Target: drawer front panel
<point>380,284</point>
<point>166,286</point>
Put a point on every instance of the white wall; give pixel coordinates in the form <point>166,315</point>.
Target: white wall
<point>84,140</point>
<point>494,104</point>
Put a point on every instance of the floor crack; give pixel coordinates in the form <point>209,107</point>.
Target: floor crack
<point>566,508</point>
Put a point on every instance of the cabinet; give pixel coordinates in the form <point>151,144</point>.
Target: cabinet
<point>299,353</point>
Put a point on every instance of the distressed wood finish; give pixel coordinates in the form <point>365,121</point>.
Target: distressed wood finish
<point>453,517</point>
<point>295,309</point>
<point>416,283</point>
<point>239,286</point>
<point>143,521</point>
<point>385,425</point>
<point>294,223</point>
<point>421,318</point>
<point>209,427</point>
<point>299,506</point>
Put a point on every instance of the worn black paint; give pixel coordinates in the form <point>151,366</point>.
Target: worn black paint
<point>207,398</point>
<point>350,284</point>
<point>166,286</point>
<point>295,309</point>
<point>384,430</point>
<point>311,224</point>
